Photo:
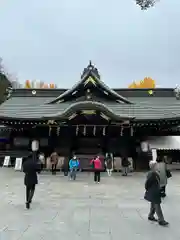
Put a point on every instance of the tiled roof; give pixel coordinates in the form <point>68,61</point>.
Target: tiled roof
<point>30,109</point>
<point>137,104</point>
<point>98,81</point>
<point>142,109</point>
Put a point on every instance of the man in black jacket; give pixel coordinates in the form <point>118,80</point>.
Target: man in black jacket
<point>153,194</point>
<point>125,166</point>
<point>30,168</point>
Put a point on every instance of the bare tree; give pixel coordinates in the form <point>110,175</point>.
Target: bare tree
<point>5,84</point>
<point>1,66</point>
<point>11,77</point>
<point>146,4</point>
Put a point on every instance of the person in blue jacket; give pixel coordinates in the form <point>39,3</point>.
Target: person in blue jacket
<point>73,166</point>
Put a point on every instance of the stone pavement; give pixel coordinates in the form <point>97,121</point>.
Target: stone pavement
<point>114,209</point>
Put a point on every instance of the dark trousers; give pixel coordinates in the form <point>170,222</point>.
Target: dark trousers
<point>65,173</point>
<point>125,171</point>
<point>97,176</point>
<point>41,167</point>
<point>73,174</point>
<point>30,193</point>
<point>156,208</point>
<point>53,168</point>
<point>163,191</point>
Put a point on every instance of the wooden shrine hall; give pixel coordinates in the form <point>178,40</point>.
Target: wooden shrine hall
<point>89,119</point>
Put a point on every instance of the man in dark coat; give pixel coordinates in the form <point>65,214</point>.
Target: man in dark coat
<point>125,166</point>
<point>66,166</point>
<point>153,195</point>
<point>30,168</point>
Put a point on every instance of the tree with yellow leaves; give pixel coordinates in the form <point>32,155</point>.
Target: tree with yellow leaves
<point>35,84</point>
<point>146,83</point>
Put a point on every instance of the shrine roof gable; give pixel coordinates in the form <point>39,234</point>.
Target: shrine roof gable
<point>90,81</point>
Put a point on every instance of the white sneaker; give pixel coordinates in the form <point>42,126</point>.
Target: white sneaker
<point>98,182</point>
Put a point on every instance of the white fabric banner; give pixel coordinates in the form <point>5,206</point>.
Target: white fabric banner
<point>154,154</point>
<point>18,164</point>
<point>35,145</point>
<point>7,161</point>
<point>144,146</point>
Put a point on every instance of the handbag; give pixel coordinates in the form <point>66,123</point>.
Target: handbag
<point>168,173</point>
<point>92,164</point>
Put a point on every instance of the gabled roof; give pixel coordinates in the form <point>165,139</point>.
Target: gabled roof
<point>91,78</point>
<point>37,104</point>
<point>35,108</point>
<point>89,105</point>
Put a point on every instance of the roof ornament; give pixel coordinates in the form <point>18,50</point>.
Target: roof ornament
<point>51,122</point>
<point>88,94</point>
<point>9,91</point>
<point>90,80</point>
<point>177,92</point>
<point>33,92</point>
<point>90,69</point>
<point>90,65</point>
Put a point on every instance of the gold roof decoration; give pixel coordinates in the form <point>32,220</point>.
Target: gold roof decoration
<point>72,116</point>
<point>90,80</point>
<point>88,112</point>
<point>151,92</point>
<point>51,122</point>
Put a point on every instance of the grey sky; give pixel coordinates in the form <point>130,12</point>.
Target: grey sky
<point>53,40</point>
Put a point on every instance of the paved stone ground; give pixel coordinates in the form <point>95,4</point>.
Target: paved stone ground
<point>78,210</point>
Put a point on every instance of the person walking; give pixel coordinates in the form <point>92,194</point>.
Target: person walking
<point>66,166</point>
<point>152,194</point>
<point>30,168</point>
<point>162,169</point>
<point>125,166</point>
<point>54,162</point>
<point>41,159</point>
<point>97,167</point>
<point>109,165</point>
<point>73,166</point>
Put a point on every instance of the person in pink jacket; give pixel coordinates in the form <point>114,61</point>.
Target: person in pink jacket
<point>97,166</point>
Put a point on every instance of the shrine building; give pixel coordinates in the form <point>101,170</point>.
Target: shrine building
<point>88,119</point>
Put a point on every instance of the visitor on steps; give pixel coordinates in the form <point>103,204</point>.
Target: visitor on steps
<point>30,168</point>
<point>97,167</point>
<point>153,194</point>
<point>109,164</point>
<point>73,166</point>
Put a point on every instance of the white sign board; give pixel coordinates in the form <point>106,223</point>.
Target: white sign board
<point>154,154</point>
<point>6,162</point>
<point>18,164</point>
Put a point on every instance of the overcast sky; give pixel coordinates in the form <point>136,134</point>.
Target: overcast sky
<point>53,40</point>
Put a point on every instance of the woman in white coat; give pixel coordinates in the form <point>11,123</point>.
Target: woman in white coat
<point>161,168</point>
